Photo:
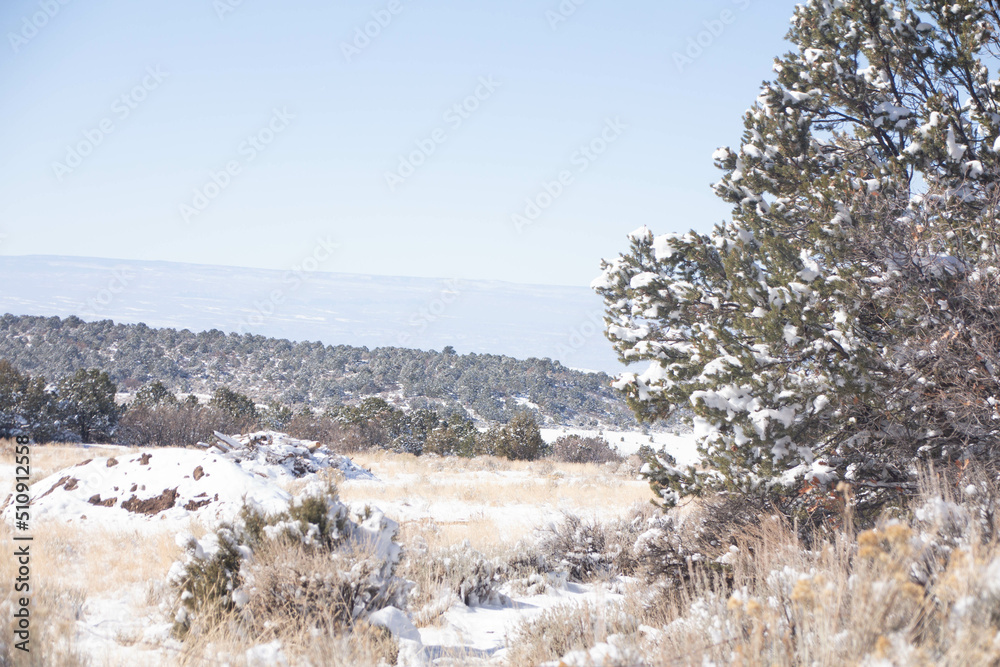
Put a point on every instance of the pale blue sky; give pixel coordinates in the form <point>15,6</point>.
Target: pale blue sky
<point>323,174</point>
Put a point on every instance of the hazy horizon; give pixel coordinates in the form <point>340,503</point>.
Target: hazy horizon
<point>308,303</point>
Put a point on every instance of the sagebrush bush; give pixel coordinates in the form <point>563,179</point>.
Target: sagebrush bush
<point>579,449</point>
<point>647,543</point>
<point>919,587</point>
<point>289,584</point>
<point>313,563</point>
<point>585,549</point>
<point>589,550</point>
<point>452,574</point>
<point>562,629</point>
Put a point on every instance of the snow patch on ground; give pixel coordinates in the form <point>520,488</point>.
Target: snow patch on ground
<point>122,625</point>
<point>480,632</point>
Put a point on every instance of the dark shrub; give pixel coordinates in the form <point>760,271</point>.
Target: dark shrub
<point>577,449</point>
<point>178,425</point>
<point>518,440</point>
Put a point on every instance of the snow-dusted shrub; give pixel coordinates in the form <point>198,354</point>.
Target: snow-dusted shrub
<point>579,547</point>
<point>845,322</point>
<point>530,571</point>
<point>566,628</point>
<point>921,587</point>
<point>976,489</point>
<point>474,578</point>
<point>672,550</point>
<point>939,526</point>
<point>589,550</point>
<point>315,562</point>
<point>289,585</point>
<point>578,449</point>
<point>664,555</point>
<point>647,543</point>
<point>454,574</point>
<point>209,576</point>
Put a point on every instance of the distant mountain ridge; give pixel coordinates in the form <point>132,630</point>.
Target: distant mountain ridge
<point>485,386</point>
<point>305,304</point>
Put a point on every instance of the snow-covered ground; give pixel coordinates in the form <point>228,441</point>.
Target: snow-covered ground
<point>518,500</point>
<point>482,631</point>
<point>173,485</point>
<point>487,501</point>
<point>145,498</point>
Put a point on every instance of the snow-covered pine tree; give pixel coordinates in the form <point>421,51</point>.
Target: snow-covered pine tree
<point>845,323</point>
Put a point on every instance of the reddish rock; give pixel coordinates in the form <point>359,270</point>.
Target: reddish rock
<point>96,500</point>
<point>153,505</point>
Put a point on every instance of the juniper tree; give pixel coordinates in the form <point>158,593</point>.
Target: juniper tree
<point>26,406</point>
<point>520,439</point>
<point>237,405</point>
<point>87,402</point>
<point>276,416</point>
<point>844,323</point>
<point>456,437</point>
<point>154,395</point>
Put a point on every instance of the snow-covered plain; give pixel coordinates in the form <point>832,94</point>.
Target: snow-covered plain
<point>140,495</point>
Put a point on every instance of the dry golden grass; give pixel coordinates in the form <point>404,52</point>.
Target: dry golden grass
<point>102,560</point>
<point>482,533</point>
<point>849,600</point>
<point>72,566</point>
<point>55,607</point>
<point>490,487</point>
<point>364,646</point>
